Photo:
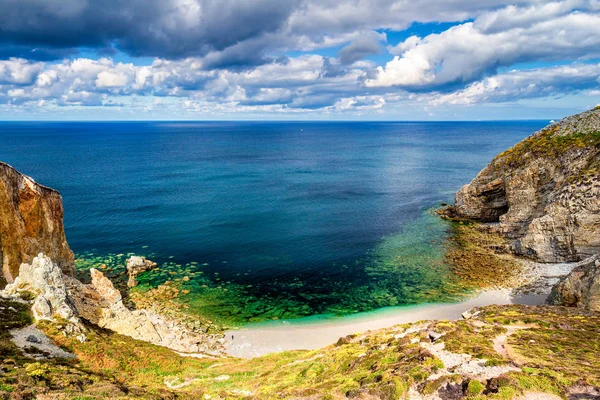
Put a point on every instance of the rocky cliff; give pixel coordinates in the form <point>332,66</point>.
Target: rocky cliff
<point>543,194</point>
<point>31,222</point>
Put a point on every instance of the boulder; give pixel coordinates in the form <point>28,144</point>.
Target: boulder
<point>581,288</point>
<point>101,303</point>
<point>46,281</point>
<point>135,266</point>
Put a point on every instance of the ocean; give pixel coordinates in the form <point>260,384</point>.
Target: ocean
<point>265,220</point>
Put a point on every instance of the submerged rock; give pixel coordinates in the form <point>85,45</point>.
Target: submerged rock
<point>581,288</point>
<point>31,222</point>
<point>544,193</point>
<point>135,266</point>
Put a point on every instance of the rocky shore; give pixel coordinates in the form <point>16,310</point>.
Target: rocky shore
<point>39,265</point>
<point>542,198</point>
<point>72,304</point>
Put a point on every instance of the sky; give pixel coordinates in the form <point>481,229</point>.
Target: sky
<point>298,59</point>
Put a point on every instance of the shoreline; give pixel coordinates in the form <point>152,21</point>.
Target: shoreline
<point>311,333</point>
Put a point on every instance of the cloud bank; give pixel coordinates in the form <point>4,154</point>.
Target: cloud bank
<point>269,56</point>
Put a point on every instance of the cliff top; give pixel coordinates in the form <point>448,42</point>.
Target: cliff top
<point>4,165</point>
<point>582,123</point>
<point>576,132</point>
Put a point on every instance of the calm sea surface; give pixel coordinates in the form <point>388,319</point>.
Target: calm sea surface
<point>267,220</point>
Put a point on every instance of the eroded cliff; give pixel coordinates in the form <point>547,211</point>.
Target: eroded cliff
<point>31,222</point>
<point>543,194</point>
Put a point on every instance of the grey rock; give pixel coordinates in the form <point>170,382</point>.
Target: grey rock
<point>434,336</point>
<point>46,280</point>
<point>33,339</point>
<point>581,288</point>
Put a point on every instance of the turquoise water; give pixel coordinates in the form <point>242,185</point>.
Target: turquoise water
<point>267,220</point>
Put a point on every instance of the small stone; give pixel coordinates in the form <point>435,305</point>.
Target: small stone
<point>434,336</point>
<point>33,339</point>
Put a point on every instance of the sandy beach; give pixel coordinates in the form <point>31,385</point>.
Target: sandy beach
<point>310,333</point>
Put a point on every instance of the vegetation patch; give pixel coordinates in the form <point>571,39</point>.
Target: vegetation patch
<point>480,257</point>
<point>549,143</point>
<point>476,340</point>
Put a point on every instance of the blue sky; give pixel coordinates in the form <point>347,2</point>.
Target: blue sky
<point>298,60</point>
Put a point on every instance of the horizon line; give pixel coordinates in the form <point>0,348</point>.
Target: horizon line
<point>282,120</point>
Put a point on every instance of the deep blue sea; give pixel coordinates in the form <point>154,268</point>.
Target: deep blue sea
<point>318,216</point>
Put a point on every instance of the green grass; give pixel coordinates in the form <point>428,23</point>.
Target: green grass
<point>475,388</point>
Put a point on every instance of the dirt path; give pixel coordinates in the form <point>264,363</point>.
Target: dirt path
<point>503,348</point>
<point>35,344</point>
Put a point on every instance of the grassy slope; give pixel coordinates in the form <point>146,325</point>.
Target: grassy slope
<point>22,377</point>
<point>558,350</point>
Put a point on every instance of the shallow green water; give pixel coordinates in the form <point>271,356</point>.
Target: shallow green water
<point>406,268</point>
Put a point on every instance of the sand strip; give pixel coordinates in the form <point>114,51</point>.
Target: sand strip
<point>261,339</point>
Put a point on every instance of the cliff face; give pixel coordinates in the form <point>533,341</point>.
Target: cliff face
<point>544,193</point>
<point>31,222</point>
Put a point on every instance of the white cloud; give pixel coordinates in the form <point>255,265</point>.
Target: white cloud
<point>405,46</point>
<point>517,85</point>
<point>19,71</point>
<point>468,51</point>
<point>112,79</point>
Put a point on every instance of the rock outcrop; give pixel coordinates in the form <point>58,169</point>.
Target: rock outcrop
<point>135,266</point>
<point>66,300</point>
<point>31,222</point>
<point>543,194</point>
<point>101,304</point>
<point>44,279</point>
<point>581,288</point>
